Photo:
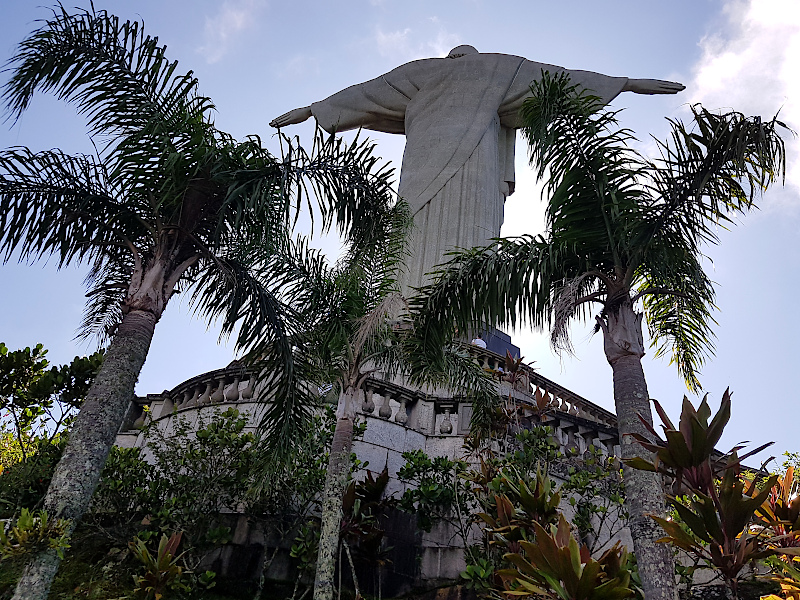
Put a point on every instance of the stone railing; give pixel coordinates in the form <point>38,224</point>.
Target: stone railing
<point>561,399</point>
<point>577,422</point>
<point>231,384</point>
<point>379,393</point>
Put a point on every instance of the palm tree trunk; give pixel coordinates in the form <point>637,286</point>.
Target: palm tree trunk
<point>644,493</point>
<point>335,485</point>
<point>78,472</point>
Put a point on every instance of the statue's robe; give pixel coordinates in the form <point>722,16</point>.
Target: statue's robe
<point>459,116</point>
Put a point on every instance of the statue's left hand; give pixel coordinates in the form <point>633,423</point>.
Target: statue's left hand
<point>653,86</point>
<point>298,115</point>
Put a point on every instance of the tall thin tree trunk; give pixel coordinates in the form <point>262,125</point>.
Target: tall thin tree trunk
<point>78,472</point>
<point>644,493</point>
<point>335,485</point>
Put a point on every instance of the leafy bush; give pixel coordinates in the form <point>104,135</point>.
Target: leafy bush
<point>24,483</point>
<point>437,491</point>
<point>39,401</point>
<point>37,405</point>
<point>180,481</point>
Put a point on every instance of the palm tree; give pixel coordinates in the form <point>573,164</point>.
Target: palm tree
<point>356,327</point>
<point>169,204</point>
<point>625,233</point>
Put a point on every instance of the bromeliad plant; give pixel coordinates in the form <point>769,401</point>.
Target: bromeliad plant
<point>556,567</point>
<point>514,508</point>
<point>32,533</point>
<point>718,509</point>
<point>163,572</point>
<point>781,512</point>
<point>787,575</point>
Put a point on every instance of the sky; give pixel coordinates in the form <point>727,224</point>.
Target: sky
<point>260,58</point>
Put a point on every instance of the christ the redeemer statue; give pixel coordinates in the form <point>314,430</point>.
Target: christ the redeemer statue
<point>459,116</point>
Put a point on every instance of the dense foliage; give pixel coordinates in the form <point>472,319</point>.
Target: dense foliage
<point>38,403</point>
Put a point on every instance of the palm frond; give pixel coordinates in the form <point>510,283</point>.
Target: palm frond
<point>591,174</point>
<point>708,171</point>
<point>507,283</point>
<point>254,195</point>
<point>456,371</point>
<point>377,322</point>
<point>119,77</point>
<point>375,263</point>
<point>678,299</point>
<point>571,301</point>
<point>235,290</point>
<point>353,188</point>
<point>54,203</point>
<point>107,286</point>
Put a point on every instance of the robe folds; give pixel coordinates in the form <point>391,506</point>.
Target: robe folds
<point>459,117</point>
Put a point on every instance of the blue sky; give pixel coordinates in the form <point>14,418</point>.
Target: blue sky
<point>259,58</point>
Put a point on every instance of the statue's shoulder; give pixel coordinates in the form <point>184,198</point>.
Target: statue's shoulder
<point>494,58</point>
<point>421,62</point>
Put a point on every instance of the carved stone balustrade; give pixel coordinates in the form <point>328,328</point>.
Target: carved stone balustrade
<point>577,422</point>
<point>231,384</point>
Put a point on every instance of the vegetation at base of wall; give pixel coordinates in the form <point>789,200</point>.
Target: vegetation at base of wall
<point>500,497</point>
<point>195,470</point>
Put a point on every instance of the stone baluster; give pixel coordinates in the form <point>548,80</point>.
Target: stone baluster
<point>139,422</point>
<point>232,393</point>
<point>368,405</point>
<point>247,392</point>
<point>205,397</point>
<point>401,416</point>
<point>385,410</point>
<point>558,433</point>
<point>219,393</point>
<point>446,426</point>
<point>598,443</point>
<point>193,400</point>
<point>187,395</point>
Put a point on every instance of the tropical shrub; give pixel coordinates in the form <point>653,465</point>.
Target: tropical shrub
<point>724,519</point>
<point>162,571</point>
<point>555,566</point>
<point>39,401</point>
<point>508,496</point>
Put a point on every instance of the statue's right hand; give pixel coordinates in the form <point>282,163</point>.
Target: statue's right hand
<point>650,87</point>
<point>298,115</point>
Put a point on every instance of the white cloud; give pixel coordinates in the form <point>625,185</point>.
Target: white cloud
<point>300,66</point>
<point>753,65</point>
<point>405,44</point>
<point>233,17</point>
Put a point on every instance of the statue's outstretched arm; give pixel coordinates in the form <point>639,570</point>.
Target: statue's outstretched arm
<point>298,115</point>
<point>653,86</point>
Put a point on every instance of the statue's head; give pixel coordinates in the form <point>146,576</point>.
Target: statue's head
<point>462,51</point>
